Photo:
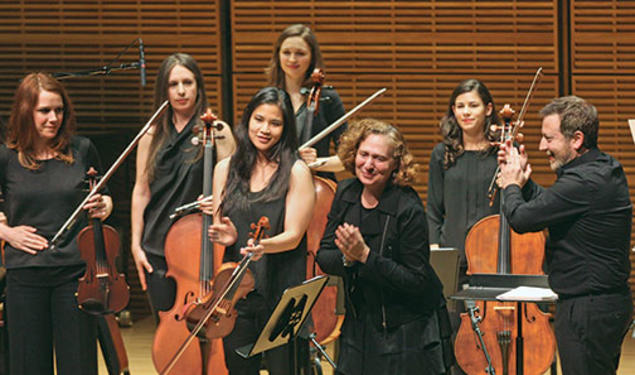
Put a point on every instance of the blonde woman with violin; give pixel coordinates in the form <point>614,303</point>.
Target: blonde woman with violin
<point>169,171</point>
<point>42,176</point>
<point>264,177</point>
<point>296,54</point>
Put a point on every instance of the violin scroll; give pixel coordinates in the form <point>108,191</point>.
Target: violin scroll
<point>205,131</point>
<point>313,101</point>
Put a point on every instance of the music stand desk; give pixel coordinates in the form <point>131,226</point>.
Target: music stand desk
<point>287,319</point>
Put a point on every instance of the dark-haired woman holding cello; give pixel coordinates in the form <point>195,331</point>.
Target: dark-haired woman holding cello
<point>42,176</point>
<point>169,171</point>
<point>264,177</point>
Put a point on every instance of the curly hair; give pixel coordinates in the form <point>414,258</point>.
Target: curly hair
<point>406,171</point>
<point>21,134</point>
<point>452,132</point>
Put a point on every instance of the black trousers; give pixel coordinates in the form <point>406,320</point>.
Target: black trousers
<point>252,317</point>
<point>42,316</point>
<point>589,332</point>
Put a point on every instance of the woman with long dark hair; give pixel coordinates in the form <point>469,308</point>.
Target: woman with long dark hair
<point>169,171</point>
<point>461,168</point>
<point>264,177</point>
<point>296,54</point>
<point>42,176</point>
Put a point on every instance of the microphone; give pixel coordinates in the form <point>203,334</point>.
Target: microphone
<point>142,63</point>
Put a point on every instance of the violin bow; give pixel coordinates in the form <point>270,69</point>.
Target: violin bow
<point>328,130</point>
<point>71,220</point>
<point>491,191</point>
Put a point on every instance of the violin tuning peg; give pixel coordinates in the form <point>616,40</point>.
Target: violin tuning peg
<point>520,137</point>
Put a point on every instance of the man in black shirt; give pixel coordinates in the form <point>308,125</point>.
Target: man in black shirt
<point>589,216</point>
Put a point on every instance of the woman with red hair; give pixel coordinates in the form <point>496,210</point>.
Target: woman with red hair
<point>42,176</point>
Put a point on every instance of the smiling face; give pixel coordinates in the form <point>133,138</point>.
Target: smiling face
<point>559,149</point>
<point>374,161</point>
<point>266,125</point>
<point>182,90</point>
<point>48,115</point>
<point>470,112</point>
<point>295,58</point>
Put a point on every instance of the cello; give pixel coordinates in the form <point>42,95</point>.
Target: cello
<point>326,323</point>
<point>192,261</point>
<point>217,315</point>
<point>492,247</point>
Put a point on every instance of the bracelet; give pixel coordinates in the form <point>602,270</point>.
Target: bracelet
<point>346,262</point>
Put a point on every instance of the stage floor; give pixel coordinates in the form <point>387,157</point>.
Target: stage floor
<point>138,341</point>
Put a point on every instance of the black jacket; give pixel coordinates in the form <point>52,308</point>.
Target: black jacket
<point>397,283</point>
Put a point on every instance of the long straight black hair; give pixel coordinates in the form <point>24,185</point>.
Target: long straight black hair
<point>241,165</point>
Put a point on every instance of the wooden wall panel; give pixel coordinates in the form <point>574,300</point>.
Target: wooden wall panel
<point>419,50</point>
<point>405,36</point>
<point>603,72</point>
<point>603,37</point>
<point>81,35</point>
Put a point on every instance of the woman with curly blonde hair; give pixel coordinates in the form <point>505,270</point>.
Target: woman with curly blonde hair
<point>377,240</point>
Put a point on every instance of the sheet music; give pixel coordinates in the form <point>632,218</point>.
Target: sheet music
<point>528,293</point>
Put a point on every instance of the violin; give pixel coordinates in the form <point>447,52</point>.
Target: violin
<point>514,337</point>
<point>216,316</point>
<point>102,289</point>
<point>192,262</point>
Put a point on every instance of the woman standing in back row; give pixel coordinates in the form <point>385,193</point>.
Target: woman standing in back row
<point>296,54</point>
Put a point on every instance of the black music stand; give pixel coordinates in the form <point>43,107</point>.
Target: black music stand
<point>487,287</point>
<point>287,318</point>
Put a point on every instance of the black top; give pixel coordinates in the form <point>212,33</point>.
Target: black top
<point>397,283</point>
<point>588,212</point>
<point>331,109</point>
<point>273,272</point>
<point>457,197</point>
<point>178,179</point>
<point>45,199</point>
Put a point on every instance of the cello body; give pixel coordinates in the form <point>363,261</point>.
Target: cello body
<point>499,322</point>
<point>327,323</point>
<point>184,265</point>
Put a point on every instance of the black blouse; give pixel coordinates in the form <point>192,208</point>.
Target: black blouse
<point>178,179</point>
<point>457,197</point>
<point>44,199</point>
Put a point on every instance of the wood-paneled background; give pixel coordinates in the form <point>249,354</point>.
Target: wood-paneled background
<point>419,50</point>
